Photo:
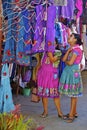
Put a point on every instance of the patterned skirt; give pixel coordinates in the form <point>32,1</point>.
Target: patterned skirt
<point>70,82</point>
<point>48,81</point>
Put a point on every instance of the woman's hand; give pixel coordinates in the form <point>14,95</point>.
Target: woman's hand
<point>66,54</point>
<point>69,50</point>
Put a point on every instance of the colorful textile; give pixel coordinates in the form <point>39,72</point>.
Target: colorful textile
<point>67,11</point>
<point>61,35</point>
<point>47,79</point>
<point>50,28</point>
<point>70,82</point>
<point>39,37</point>
<point>58,32</point>
<point>18,32</point>
<point>78,51</point>
<point>79,6</point>
<point>6,102</point>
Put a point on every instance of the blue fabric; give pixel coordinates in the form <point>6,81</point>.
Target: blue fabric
<point>70,81</point>
<point>6,102</point>
<point>18,32</point>
<point>58,33</point>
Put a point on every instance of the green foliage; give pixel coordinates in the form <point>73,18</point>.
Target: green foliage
<point>12,122</point>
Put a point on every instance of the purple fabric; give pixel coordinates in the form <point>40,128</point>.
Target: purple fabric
<point>39,30</point>
<point>67,11</point>
<point>50,31</point>
<point>27,76</point>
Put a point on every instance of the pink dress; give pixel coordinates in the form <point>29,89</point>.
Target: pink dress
<point>47,79</point>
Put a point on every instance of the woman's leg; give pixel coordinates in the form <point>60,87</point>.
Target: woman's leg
<point>58,106</point>
<point>73,106</point>
<point>71,116</point>
<point>45,105</point>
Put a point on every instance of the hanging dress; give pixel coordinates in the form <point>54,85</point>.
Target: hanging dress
<point>6,101</point>
<point>17,32</point>
<point>39,38</point>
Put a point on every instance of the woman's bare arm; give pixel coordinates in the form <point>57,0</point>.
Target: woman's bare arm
<point>71,61</point>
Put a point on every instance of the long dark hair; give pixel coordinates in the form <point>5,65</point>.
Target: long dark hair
<point>77,36</point>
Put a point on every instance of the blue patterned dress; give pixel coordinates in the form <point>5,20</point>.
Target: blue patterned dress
<point>6,101</point>
<point>70,82</point>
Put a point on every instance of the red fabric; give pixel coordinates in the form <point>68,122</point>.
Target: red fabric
<point>17,0</point>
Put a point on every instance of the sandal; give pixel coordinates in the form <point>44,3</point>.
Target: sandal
<point>76,115</point>
<point>43,115</point>
<point>67,115</point>
<point>61,116</point>
<point>70,119</point>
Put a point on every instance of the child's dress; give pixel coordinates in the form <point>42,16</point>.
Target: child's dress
<point>47,79</point>
<point>70,82</point>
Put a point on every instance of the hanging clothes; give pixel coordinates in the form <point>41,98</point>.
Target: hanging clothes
<point>24,38</point>
<point>39,36</point>
<point>60,2</point>
<point>18,32</point>
<point>6,101</point>
<point>1,36</point>
<point>36,2</point>
<point>67,11</point>
<point>58,32</point>
<point>29,22</point>
<point>61,35</point>
<point>79,6</point>
<point>50,31</point>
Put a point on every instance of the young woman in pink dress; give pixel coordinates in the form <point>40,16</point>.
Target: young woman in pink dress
<point>47,80</point>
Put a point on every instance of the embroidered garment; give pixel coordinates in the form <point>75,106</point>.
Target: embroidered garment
<point>47,79</point>
<point>39,37</point>
<point>18,32</point>
<point>6,102</point>
<point>71,84</point>
<point>50,28</point>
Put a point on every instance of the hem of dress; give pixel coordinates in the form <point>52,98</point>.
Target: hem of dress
<point>69,95</point>
<point>49,96</point>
